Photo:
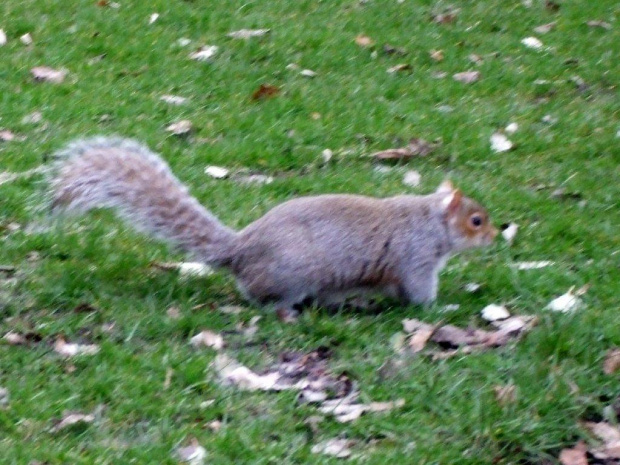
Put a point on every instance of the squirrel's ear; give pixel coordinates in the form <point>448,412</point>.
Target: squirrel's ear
<point>445,187</point>
<point>452,201</point>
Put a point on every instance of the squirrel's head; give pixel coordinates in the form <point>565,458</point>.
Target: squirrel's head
<point>468,221</point>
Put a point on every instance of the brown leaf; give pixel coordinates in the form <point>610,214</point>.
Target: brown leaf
<point>545,28</point>
<point>420,333</point>
<point>574,456</point>
<point>467,77</point>
<point>597,23</point>
<point>265,91</point>
<point>47,74</point>
<point>399,68</point>
<point>393,154</point>
<point>364,41</point>
<point>180,128</point>
<point>436,55</point>
<point>447,17</point>
<point>612,361</point>
<point>415,148</point>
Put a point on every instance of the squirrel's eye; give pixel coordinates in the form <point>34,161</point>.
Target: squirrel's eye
<point>476,220</point>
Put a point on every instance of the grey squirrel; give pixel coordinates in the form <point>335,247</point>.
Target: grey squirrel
<point>321,248</point>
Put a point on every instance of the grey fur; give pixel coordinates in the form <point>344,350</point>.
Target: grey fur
<point>322,247</point>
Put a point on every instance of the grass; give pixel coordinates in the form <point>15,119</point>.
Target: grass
<point>119,67</point>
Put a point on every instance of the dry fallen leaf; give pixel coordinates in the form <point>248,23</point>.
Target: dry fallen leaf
<point>494,312</point>
<point>574,456</point>
<point>26,39</point>
<point>509,232</point>
<point>475,59</point>
<point>398,68</point>
<point>467,77</point>
<point>597,23</point>
<point>610,436</point>
<point>47,74</point>
<point>305,372</point>
<point>416,147</point>
<point>545,28</point>
<point>205,53</point>
<point>516,324</point>
<point>511,128</point>
<point>533,43</point>
<point>207,338</point>
<point>327,155</point>
<point>447,17</point>
<point>248,33</point>
<point>14,339</point>
<point>69,349</point>
<point>420,337</point>
<point>194,454</point>
<point>217,172</point>
<point>73,418</point>
<point>173,99</point>
<point>612,361</point>
<point>180,128</point>
<point>308,73</point>
<point>436,55</point>
<point>500,143</point>
<point>338,448</point>
<point>566,303</point>
<point>265,91</point>
<point>364,41</point>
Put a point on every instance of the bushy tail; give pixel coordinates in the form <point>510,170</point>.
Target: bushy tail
<point>128,177</point>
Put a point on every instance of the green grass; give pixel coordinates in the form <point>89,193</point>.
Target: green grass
<point>451,415</point>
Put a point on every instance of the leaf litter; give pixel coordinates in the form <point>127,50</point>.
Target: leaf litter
<point>336,395</point>
<point>415,148</point>
<point>451,340</point>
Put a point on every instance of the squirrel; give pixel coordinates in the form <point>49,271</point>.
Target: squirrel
<point>321,248</point>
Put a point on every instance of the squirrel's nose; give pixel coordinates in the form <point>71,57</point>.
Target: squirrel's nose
<point>493,232</point>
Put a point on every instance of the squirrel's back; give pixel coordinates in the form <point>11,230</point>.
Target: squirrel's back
<point>126,176</point>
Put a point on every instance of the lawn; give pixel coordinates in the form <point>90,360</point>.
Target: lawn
<point>91,279</point>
